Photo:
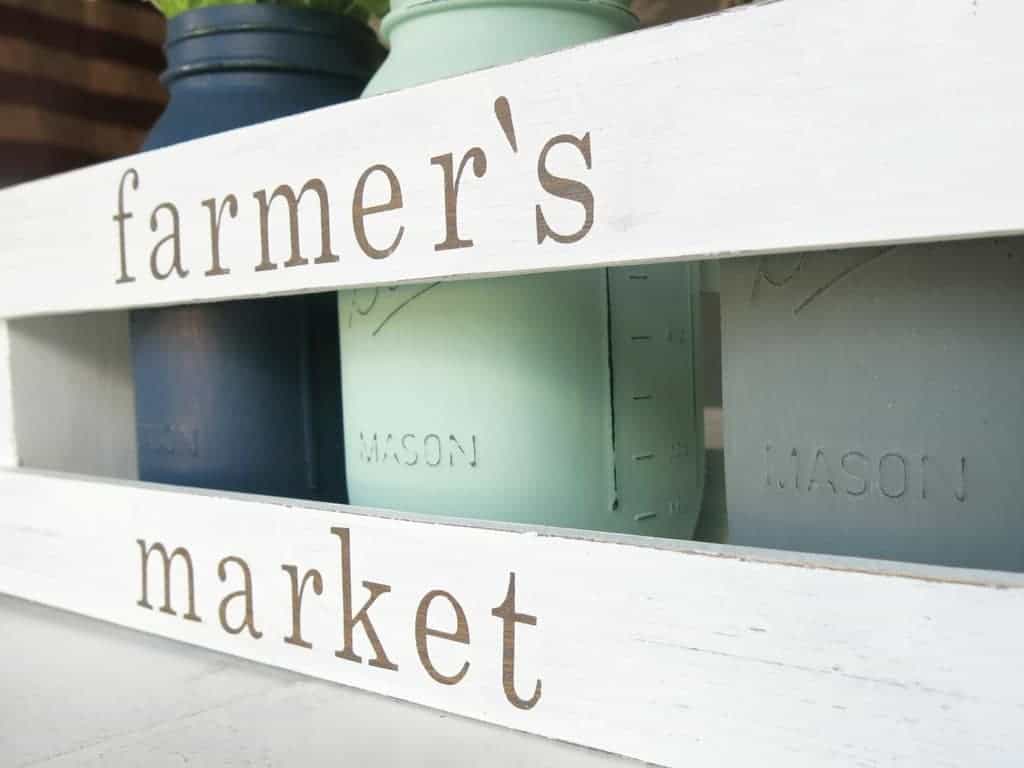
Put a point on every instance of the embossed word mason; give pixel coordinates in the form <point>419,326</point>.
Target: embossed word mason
<point>854,473</point>
<point>165,254</point>
<point>410,449</point>
<point>351,619</point>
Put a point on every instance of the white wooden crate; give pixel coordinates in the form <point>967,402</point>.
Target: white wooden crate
<point>791,125</point>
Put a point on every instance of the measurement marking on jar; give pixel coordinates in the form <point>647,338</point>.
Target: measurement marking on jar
<point>643,456</point>
<point>643,397</point>
<point>640,338</point>
<point>644,516</point>
<point>637,276</point>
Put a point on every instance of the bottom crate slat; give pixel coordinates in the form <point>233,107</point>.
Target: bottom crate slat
<point>177,705</point>
<point>670,652</point>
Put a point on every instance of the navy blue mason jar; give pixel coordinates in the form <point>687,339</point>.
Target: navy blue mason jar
<point>245,395</point>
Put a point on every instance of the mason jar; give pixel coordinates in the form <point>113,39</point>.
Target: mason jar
<point>566,399</point>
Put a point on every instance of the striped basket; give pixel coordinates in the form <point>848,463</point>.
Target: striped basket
<point>78,83</point>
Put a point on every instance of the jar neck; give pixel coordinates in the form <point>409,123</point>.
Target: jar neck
<point>235,65</point>
<point>268,38</point>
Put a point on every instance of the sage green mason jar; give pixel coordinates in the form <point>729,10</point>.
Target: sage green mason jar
<point>565,399</point>
<point>873,402</point>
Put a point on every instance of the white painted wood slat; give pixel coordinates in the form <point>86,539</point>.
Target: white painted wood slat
<point>674,653</point>
<point>8,446</point>
<point>791,125</point>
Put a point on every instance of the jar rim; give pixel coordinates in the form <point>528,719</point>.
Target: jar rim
<point>264,37</point>
<point>403,10</point>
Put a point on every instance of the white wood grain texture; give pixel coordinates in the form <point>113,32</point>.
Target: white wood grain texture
<point>678,654</point>
<point>791,125</point>
<point>82,693</point>
<point>72,391</point>
<point>8,446</point>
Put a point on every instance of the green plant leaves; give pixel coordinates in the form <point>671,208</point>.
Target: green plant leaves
<point>361,9</point>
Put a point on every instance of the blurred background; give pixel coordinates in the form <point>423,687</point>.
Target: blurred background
<point>79,83</point>
<point>79,79</point>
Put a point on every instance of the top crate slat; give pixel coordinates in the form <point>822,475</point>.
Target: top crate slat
<point>796,125</point>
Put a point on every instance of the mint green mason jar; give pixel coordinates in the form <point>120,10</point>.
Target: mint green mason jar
<point>566,399</point>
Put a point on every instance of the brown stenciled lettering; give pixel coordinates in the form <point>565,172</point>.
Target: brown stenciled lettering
<point>215,219</point>
<point>298,588</point>
<point>248,620</point>
<point>509,618</point>
<point>181,552</point>
<point>360,211</point>
<point>174,237</point>
<point>460,635</point>
<point>362,616</point>
<point>120,217</point>
<point>452,179</point>
<point>503,112</point>
<point>567,189</point>
<point>286,193</point>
